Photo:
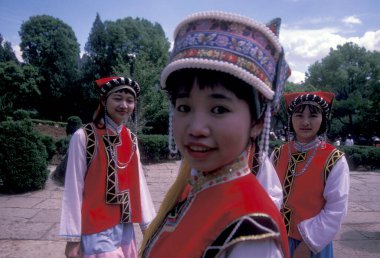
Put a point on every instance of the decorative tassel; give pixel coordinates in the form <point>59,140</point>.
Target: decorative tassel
<point>264,144</point>
<point>172,146</point>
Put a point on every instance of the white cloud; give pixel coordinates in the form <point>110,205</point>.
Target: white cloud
<point>18,52</point>
<point>297,77</point>
<point>351,20</point>
<point>305,47</point>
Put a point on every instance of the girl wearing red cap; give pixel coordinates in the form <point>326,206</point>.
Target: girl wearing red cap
<point>314,175</point>
<point>105,188</point>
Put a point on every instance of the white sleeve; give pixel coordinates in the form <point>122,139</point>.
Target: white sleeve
<point>147,207</point>
<point>320,230</point>
<point>253,249</point>
<point>71,224</point>
<point>268,178</point>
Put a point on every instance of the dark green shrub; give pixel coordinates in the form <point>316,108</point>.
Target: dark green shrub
<point>73,124</point>
<point>365,156</point>
<point>21,114</point>
<point>153,148</point>
<point>23,157</point>
<point>50,145</point>
<point>62,145</point>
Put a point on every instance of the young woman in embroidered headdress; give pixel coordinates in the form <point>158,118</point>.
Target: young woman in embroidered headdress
<point>224,79</point>
<point>105,188</point>
<point>314,176</point>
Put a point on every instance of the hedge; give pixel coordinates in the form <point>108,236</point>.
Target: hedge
<point>23,157</point>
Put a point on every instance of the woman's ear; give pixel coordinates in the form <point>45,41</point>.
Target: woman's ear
<point>256,128</point>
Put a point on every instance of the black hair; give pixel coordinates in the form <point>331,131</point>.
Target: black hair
<point>314,110</point>
<point>182,80</point>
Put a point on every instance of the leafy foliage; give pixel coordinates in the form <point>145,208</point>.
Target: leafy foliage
<point>353,74</point>
<point>50,45</point>
<point>23,157</point>
<point>6,51</point>
<point>153,148</point>
<point>365,156</point>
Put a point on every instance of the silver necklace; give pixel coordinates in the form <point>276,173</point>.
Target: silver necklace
<point>113,149</point>
<point>307,162</point>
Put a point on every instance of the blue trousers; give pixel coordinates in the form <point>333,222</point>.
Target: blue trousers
<point>327,252</point>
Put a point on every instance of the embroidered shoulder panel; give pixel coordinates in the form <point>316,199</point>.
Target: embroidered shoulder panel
<point>276,154</point>
<point>333,158</point>
<point>251,227</point>
<point>90,142</point>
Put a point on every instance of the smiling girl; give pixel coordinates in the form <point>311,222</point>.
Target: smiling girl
<point>314,175</point>
<point>220,80</point>
<point>105,188</point>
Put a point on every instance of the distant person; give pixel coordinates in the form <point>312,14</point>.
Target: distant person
<point>105,187</point>
<point>376,141</point>
<point>221,101</point>
<point>314,176</point>
<point>349,141</point>
<point>337,141</point>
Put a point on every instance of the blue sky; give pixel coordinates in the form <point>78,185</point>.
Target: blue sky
<point>309,27</point>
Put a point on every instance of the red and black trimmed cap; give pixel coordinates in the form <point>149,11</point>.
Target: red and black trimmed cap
<point>108,85</point>
<point>321,99</point>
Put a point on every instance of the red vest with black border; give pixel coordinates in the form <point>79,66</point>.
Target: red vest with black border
<point>111,195</point>
<point>303,194</point>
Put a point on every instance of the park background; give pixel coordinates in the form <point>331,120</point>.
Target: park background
<point>48,82</point>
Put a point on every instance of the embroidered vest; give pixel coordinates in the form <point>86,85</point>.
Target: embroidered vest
<point>195,223</point>
<point>111,195</point>
<point>303,194</point>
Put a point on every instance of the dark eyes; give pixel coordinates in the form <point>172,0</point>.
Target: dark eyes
<point>215,110</point>
<point>219,110</point>
<point>183,108</point>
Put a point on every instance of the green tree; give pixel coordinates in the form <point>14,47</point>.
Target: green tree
<point>131,47</point>
<point>6,51</point>
<point>50,45</point>
<point>18,87</point>
<point>352,73</point>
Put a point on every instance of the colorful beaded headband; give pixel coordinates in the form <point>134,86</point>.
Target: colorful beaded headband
<point>233,44</point>
<point>109,85</point>
<point>321,99</point>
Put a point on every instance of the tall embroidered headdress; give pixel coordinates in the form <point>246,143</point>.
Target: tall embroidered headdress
<point>237,45</point>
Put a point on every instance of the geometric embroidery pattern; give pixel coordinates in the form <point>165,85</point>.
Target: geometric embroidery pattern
<point>276,154</point>
<point>247,228</point>
<point>331,161</point>
<point>288,184</point>
<point>112,196</point>
<point>90,142</point>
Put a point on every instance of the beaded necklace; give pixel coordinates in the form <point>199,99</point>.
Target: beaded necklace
<point>113,148</point>
<point>303,148</point>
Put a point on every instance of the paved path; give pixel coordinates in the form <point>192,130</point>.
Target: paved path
<point>29,222</point>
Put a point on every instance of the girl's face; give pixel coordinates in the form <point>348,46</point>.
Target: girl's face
<point>120,105</point>
<point>211,126</point>
<point>306,124</point>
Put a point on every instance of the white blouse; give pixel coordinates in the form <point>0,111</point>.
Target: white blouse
<point>70,226</point>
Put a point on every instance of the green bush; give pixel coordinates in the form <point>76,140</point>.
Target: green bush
<point>73,124</point>
<point>50,145</point>
<point>62,145</point>
<point>153,148</point>
<point>364,156</point>
<point>23,157</point>
<point>21,114</point>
